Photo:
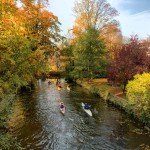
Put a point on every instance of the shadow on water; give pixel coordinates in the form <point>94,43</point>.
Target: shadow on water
<point>38,124</point>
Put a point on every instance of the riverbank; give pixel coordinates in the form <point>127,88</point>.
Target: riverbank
<point>6,107</point>
<point>111,93</point>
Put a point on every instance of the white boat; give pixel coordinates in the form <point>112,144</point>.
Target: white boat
<point>88,111</point>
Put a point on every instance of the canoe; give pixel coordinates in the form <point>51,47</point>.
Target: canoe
<point>62,110</point>
<point>88,111</point>
<point>68,88</point>
<point>58,88</point>
<point>49,82</point>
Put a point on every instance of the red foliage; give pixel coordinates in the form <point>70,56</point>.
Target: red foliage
<point>131,59</point>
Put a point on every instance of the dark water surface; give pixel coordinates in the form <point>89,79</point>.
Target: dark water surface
<point>38,124</point>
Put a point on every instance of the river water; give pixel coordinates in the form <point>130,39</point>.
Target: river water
<point>38,124</point>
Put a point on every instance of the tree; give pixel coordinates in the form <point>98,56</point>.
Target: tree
<point>67,57</point>
<point>94,19</point>
<point>41,25</point>
<point>100,15</point>
<point>88,53</point>
<point>113,40</point>
<point>96,13</point>
<point>131,59</point>
<point>27,37</point>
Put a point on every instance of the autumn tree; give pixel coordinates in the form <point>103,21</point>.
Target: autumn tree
<point>146,42</point>
<point>41,25</point>
<point>28,36</point>
<point>131,59</point>
<point>100,15</point>
<point>113,39</point>
<point>8,29</point>
<point>97,15</point>
<point>15,52</point>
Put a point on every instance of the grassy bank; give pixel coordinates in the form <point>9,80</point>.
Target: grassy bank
<point>6,140</point>
<point>111,93</point>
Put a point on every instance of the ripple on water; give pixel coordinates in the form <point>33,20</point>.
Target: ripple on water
<point>45,128</point>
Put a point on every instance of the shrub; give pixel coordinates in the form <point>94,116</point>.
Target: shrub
<point>138,93</point>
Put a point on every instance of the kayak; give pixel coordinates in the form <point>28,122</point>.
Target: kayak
<point>68,88</point>
<point>88,111</point>
<point>62,110</point>
<point>49,82</point>
<point>58,88</point>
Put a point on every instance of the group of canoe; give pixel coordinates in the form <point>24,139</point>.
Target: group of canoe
<point>60,104</point>
<point>86,107</point>
<point>59,87</point>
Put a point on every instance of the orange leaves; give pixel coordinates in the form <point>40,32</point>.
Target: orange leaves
<point>30,21</point>
<point>47,14</point>
<point>48,19</point>
<point>8,2</point>
<point>56,18</point>
<point>80,25</point>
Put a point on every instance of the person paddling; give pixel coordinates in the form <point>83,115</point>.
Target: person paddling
<point>49,82</point>
<point>62,107</point>
<point>87,106</point>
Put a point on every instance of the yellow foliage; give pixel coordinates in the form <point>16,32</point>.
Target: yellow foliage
<point>138,93</point>
<point>54,68</point>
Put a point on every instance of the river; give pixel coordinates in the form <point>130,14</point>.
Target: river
<point>38,124</point>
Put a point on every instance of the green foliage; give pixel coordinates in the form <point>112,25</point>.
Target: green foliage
<point>138,93</point>
<point>89,60</point>
<point>19,63</point>
<point>67,58</point>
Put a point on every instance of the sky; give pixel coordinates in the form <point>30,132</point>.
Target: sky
<point>134,15</point>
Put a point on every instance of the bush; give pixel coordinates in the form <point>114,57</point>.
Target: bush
<point>138,93</point>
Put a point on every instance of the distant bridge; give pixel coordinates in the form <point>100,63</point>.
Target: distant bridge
<point>56,73</point>
<point>52,74</point>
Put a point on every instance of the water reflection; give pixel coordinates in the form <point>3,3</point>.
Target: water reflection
<point>43,127</point>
